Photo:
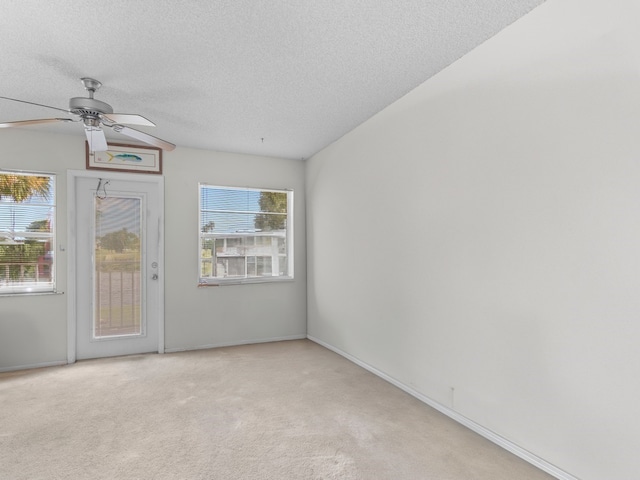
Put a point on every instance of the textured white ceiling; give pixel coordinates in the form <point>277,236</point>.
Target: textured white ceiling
<point>281,78</point>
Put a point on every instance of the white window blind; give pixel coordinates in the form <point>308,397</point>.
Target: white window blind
<point>27,232</point>
<point>245,235</point>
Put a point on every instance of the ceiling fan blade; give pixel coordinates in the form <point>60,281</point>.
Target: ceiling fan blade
<point>144,137</point>
<point>36,104</point>
<point>129,119</point>
<point>96,139</point>
<point>22,123</point>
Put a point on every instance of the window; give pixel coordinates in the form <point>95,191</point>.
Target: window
<point>27,232</point>
<point>246,235</point>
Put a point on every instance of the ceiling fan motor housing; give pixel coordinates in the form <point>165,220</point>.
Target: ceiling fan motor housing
<point>89,107</point>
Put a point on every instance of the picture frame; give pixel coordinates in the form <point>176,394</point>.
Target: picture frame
<point>122,157</point>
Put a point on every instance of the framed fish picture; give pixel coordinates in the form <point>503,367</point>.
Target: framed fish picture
<point>126,158</point>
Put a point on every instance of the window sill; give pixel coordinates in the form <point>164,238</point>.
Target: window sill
<point>28,294</point>
<point>221,282</point>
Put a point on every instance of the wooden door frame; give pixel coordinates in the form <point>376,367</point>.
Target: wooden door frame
<point>72,176</point>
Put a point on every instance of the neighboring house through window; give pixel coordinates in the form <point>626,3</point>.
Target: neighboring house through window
<point>245,235</point>
<point>27,232</point>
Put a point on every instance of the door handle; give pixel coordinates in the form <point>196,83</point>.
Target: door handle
<point>154,276</point>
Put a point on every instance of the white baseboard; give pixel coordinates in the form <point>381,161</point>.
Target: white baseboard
<point>470,424</point>
<point>32,366</point>
<point>235,344</point>
<point>166,350</point>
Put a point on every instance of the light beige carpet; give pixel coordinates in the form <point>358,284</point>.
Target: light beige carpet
<point>287,410</point>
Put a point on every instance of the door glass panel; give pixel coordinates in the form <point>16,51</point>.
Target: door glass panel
<point>117,280</point>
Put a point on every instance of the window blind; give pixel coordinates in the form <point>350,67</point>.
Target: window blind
<point>245,234</point>
<point>27,227</point>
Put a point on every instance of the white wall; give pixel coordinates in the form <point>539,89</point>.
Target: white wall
<point>33,328</point>
<point>213,316</point>
<point>479,240</point>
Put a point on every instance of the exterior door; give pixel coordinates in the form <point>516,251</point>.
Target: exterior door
<point>118,285</point>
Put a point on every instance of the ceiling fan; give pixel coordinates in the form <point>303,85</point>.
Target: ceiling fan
<point>95,114</point>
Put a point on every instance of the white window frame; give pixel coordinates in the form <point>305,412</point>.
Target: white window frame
<point>31,288</point>
<point>235,280</point>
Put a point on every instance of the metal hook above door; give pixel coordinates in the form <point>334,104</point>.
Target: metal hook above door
<point>104,189</point>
